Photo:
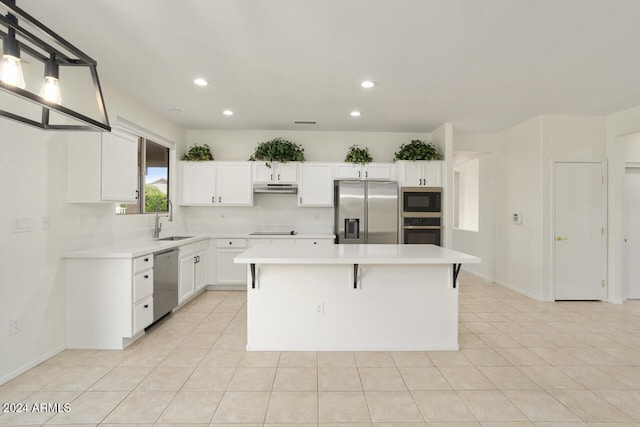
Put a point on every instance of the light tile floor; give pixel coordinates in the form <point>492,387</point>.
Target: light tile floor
<point>522,363</point>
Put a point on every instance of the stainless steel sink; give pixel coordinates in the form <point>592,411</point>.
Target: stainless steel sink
<point>175,238</point>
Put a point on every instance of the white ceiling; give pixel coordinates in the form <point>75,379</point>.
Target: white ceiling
<point>482,65</point>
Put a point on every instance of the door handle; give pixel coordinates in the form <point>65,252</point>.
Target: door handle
<point>559,238</point>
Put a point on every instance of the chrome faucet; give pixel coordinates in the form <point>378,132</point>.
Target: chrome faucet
<point>158,224</point>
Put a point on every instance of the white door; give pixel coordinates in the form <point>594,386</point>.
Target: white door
<point>348,171</point>
<point>287,172</point>
<point>119,167</point>
<point>579,238</point>
<point>316,185</point>
<point>233,183</point>
<point>410,173</point>
<point>632,232</point>
<point>377,171</point>
<point>198,183</point>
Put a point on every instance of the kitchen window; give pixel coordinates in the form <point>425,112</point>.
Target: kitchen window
<point>153,179</point>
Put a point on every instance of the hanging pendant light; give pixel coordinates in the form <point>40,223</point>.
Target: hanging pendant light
<point>10,68</point>
<point>21,32</point>
<point>51,86</point>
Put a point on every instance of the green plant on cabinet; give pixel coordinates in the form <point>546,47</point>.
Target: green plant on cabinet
<point>278,150</point>
<point>358,155</point>
<point>198,153</point>
<point>417,150</point>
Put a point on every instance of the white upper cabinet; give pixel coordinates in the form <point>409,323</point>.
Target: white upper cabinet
<point>216,184</point>
<point>420,173</point>
<point>234,185</point>
<point>198,183</point>
<point>378,171</point>
<point>368,171</point>
<point>285,173</point>
<point>102,167</point>
<point>316,185</point>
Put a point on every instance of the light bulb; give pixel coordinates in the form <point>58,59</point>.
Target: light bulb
<point>11,71</point>
<point>51,90</point>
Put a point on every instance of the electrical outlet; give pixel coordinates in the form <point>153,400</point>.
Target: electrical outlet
<point>14,326</point>
<point>320,308</point>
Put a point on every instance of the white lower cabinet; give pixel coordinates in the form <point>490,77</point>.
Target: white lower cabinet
<point>228,273</point>
<point>314,242</point>
<point>109,301</point>
<point>192,269</point>
<point>234,276</point>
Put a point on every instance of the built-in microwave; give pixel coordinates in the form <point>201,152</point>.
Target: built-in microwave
<point>421,201</point>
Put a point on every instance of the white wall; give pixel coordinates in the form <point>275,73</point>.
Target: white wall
<point>524,158</point>
<point>620,127</point>
<point>32,279</point>
<point>318,146</point>
<point>479,243</point>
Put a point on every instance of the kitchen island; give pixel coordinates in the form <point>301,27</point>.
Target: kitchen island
<point>352,297</point>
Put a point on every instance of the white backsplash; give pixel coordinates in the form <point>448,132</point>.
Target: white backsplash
<point>270,212</point>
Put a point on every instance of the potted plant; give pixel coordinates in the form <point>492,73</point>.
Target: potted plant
<point>358,155</point>
<point>278,150</point>
<point>198,153</point>
<point>417,150</point>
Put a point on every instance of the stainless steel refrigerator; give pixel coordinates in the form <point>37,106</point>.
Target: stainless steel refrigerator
<point>366,211</point>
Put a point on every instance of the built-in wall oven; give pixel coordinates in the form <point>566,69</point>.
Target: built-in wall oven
<point>421,219</point>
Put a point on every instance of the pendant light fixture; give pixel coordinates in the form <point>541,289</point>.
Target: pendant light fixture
<point>51,86</point>
<point>10,67</point>
<point>22,33</point>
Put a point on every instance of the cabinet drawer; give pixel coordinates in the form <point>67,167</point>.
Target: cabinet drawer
<point>142,263</point>
<point>231,243</point>
<point>142,285</point>
<point>314,242</point>
<point>142,315</point>
<point>202,245</point>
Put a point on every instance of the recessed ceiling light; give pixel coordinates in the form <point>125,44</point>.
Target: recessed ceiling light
<point>175,110</point>
<point>227,113</point>
<point>201,82</point>
<point>368,84</point>
<point>355,114</point>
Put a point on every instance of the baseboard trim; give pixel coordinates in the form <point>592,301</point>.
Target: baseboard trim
<point>226,287</point>
<point>521,292</point>
<point>24,368</point>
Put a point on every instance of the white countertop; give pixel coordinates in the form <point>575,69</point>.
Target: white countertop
<point>354,254</point>
<point>136,248</point>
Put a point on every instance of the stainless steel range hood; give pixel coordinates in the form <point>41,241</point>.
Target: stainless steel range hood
<point>276,188</point>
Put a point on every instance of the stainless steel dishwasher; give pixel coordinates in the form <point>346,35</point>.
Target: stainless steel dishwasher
<point>165,282</point>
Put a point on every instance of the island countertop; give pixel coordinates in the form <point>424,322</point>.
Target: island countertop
<point>354,254</point>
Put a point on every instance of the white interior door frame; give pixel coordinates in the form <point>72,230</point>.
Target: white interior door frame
<point>552,228</point>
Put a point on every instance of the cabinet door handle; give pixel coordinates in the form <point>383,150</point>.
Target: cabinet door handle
<point>146,259</point>
<point>315,243</point>
<point>231,243</point>
<point>359,176</point>
<point>219,199</point>
<point>271,177</point>
<point>278,177</point>
<point>146,306</point>
<point>300,199</point>
<point>146,276</point>
<point>366,174</point>
<point>137,194</point>
<point>213,199</point>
